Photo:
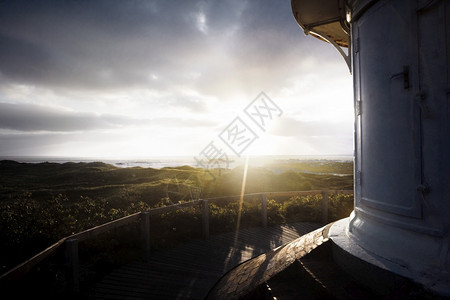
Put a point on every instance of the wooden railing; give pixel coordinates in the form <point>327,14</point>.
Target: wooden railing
<point>71,242</point>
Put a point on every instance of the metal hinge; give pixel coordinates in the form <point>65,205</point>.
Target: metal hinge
<point>423,188</point>
<point>421,99</point>
<point>358,107</point>
<point>356,45</point>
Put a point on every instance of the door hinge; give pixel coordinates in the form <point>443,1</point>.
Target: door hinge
<point>358,107</point>
<point>423,188</point>
<point>356,45</point>
<point>421,99</point>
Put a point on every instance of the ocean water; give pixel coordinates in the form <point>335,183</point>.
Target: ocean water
<point>177,161</point>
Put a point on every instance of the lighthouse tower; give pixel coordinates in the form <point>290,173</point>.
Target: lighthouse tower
<point>398,52</point>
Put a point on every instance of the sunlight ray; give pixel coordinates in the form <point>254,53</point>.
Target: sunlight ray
<point>241,201</point>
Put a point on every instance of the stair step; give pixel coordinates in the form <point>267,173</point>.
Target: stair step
<point>316,276</point>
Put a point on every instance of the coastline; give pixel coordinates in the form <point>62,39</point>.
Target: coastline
<point>178,161</point>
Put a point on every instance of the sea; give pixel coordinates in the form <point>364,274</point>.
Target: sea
<point>178,161</point>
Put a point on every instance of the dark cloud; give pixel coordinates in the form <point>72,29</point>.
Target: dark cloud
<point>117,44</point>
<point>31,117</point>
<point>156,59</point>
<point>34,118</point>
<point>29,143</point>
<point>21,59</point>
<point>93,44</point>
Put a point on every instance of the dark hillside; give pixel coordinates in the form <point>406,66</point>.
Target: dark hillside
<point>41,203</point>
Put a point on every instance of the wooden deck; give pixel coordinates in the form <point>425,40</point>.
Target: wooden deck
<point>189,271</point>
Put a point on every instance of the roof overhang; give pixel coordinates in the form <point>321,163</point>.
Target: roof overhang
<point>324,19</point>
<point>327,20</point>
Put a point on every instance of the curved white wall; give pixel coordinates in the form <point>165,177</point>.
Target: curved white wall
<point>401,55</point>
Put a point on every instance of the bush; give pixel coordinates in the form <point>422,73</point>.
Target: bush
<point>302,209</point>
<point>340,206</point>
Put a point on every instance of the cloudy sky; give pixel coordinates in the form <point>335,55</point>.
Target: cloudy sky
<point>161,78</point>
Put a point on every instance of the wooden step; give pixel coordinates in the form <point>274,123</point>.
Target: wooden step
<point>316,276</point>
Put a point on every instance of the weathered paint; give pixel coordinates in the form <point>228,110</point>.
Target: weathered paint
<point>400,52</point>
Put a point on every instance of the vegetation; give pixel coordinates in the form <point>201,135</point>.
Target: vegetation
<point>41,203</point>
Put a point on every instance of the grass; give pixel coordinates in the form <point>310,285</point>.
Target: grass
<point>41,203</point>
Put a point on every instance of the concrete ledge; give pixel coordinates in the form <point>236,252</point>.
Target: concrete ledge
<point>373,271</point>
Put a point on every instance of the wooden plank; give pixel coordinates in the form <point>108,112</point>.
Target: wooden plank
<point>324,207</point>
<point>145,235</point>
<point>73,265</point>
<point>190,270</point>
<point>264,210</point>
<point>205,219</point>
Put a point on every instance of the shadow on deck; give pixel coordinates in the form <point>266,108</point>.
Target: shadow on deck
<point>190,270</point>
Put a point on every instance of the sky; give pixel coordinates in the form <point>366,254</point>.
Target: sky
<point>150,78</point>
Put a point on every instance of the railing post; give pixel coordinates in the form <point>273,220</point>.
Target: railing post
<point>264,210</point>
<point>145,233</point>
<point>324,207</point>
<point>73,265</point>
<point>205,219</point>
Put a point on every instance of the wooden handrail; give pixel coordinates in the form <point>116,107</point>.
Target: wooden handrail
<point>164,209</point>
<point>23,268</point>
<point>312,192</point>
<point>95,231</point>
<point>26,266</point>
